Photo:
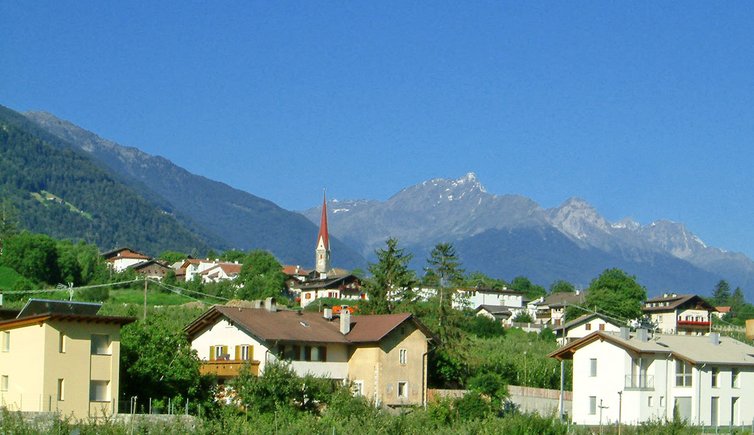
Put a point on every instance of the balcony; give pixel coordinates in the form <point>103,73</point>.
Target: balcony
<point>227,369</point>
<point>329,370</point>
<point>693,323</point>
<point>641,382</point>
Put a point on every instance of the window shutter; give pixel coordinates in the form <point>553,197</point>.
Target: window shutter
<point>323,353</point>
<point>212,353</point>
<point>251,353</point>
<point>238,352</point>
<point>225,350</point>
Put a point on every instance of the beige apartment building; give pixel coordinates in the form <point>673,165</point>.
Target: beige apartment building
<point>60,357</point>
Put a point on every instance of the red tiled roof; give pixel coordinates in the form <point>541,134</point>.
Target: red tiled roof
<point>228,268</point>
<point>295,270</point>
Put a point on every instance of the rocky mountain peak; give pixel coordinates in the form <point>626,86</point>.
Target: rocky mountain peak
<point>674,238</point>
<point>578,218</point>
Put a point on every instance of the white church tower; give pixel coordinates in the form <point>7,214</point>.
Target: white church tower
<point>323,244</point>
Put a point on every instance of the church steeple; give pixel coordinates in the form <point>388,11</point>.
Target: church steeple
<point>322,251</point>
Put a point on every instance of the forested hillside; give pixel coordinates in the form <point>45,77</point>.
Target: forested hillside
<point>55,190</point>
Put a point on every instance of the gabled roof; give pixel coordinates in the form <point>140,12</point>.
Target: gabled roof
<point>561,299</point>
<point>674,301</point>
<point>696,349</point>
<point>494,309</point>
<point>123,253</point>
<point>229,269</point>
<point>295,270</point>
<point>305,327</point>
<point>147,263</point>
<point>42,318</point>
<point>588,317</point>
<point>328,283</point>
<point>502,291</point>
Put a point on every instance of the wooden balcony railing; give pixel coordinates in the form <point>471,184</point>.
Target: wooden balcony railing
<point>227,369</point>
<point>694,323</point>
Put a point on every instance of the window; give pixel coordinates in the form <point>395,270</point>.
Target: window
<point>734,378</point>
<point>650,401</point>
<point>592,405</point>
<point>61,342</point>
<point>99,391</point>
<point>662,401</point>
<point>714,404</point>
<point>734,411</point>
<point>593,367</point>
<point>602,326</point>
<point>682,374</point>
<point>403,390</point>
<point>588,326</point>
<point>713,376</point>
<point>245,352</point>
<point>4,383</point>
<point>6,341</point>
<point>100,344</point>
<point>61,389</point>
<point>403,356</point>
<point>357,388</point>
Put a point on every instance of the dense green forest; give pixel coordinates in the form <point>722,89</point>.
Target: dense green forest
<point>54,189</point>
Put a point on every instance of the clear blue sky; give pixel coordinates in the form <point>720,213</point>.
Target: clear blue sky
<point>644,109</point>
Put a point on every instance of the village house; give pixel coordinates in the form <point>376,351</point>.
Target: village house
<point>550,310</point>
<point>680,314</point>
<point>495,312</point>
<point>384,357</point>
<point>221,272</point>
<point>585,325</point>
<point>473,298</point>
<point>639,377</point>
<point>59,356</point>
<point>123,258</point>
<point>151,269</point>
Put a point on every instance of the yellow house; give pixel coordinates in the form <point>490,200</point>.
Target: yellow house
<point>58,356</point>
<point>383,356</point>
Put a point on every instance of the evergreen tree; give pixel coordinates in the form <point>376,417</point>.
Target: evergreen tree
<point>721,294</point>
<point>392,282</point>
<point>737,302</point>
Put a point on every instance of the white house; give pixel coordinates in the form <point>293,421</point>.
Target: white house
<point>585,325</point>
<point>680,314</point>
<point>221,272</point>
<point>123,258</point>
<point>474,297</point>
<point>550,310</point>
<point>708,379</point>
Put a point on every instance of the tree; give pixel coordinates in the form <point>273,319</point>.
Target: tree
<point>8,221</point>
<point>737,302</point>
<point>232,255</point>
<point>171,257</point>
<point>523,317</point>
<point>532,291</point>
<point>392,282</point>
<point>480,280</point>
<point>34,256</point>
<point>261,276</point>
<point>561,286</point>
<point>616,293</point>
<point>721,294</point>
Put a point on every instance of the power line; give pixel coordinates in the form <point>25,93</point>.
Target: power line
<point>67,289</point>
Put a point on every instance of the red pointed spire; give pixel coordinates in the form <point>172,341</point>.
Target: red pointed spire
<point>323,233</point>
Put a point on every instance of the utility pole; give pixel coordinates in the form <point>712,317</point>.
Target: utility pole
<point>620,410</point>
<point>601,407</point>
<point>146,281</point>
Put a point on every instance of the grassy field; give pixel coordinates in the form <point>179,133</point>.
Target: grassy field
<point>154,297</point>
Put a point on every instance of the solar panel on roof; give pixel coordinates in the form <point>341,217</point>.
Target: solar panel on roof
<point>45,306</point>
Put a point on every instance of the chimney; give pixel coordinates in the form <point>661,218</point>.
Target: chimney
<point>642,334</point>
<point>624,332</point>
<point>256,303</point>
<point>328,313</point>
<point>270,304</point>
<point>714,338</point>
<point>345,322</point>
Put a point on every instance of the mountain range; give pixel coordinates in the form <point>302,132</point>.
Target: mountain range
<point>216,215</point>
<point>70,183</point>
<point>510,235</point>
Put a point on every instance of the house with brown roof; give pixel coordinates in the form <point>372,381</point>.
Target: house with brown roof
<point>550,310</point>
<point>679,314</point>
<point>122,258</point>
<point>337,287</point>
<point>60,356</point>
<point>151,269</point>
<point>384,357</point>
<point>584,325</point>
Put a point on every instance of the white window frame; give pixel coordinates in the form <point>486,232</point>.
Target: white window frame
<point>402,385</point>
<point>403,356</point>
<point>592,405</point>
<point>244,352</point>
